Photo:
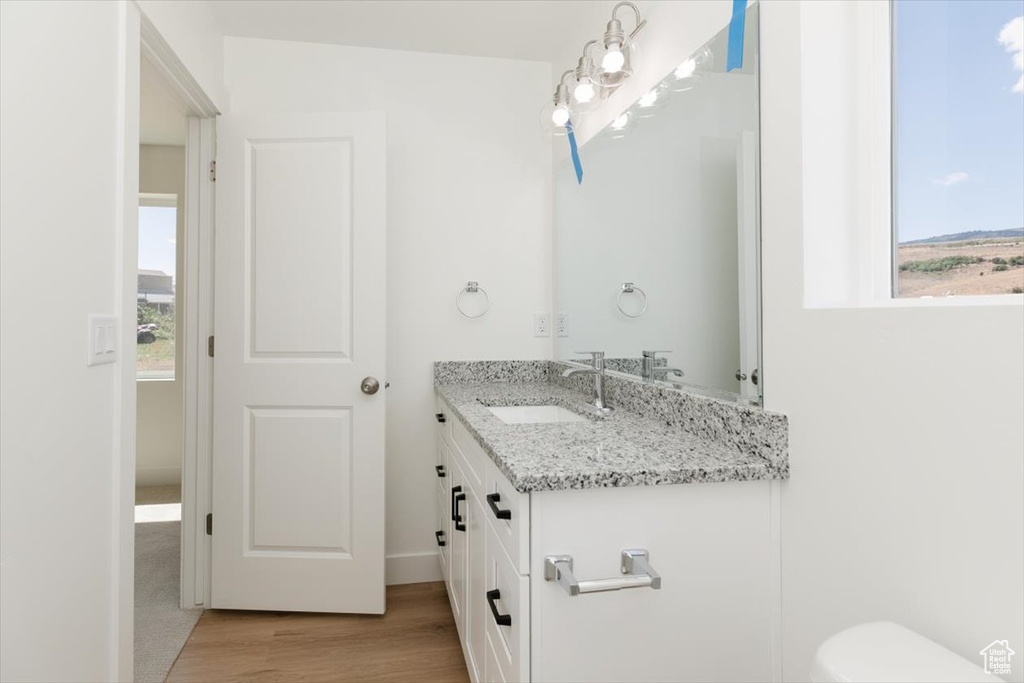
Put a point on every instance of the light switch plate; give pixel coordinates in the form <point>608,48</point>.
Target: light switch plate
<point>102,345</point>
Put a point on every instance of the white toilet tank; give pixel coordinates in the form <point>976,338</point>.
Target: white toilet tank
<point>884,652</point>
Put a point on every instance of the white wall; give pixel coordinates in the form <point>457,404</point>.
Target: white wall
<point>190,29</point>
<point>158,430</point>
<point>58,179</point>
<point>67,73</point>
<point>468,199</point>
<point>906,500</point>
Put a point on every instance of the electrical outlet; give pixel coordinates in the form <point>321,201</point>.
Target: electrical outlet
<point>562,325</point>
<point>541,324</point>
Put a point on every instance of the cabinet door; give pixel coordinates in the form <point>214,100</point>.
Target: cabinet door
<point>476,603</point>
<point>458,545</point>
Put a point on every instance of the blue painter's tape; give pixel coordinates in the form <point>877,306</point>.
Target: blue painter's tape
<point>737,26</point>
<point>574,150</point>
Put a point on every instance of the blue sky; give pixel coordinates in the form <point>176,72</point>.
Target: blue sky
<point>960,116</point>
<point>157,228</point>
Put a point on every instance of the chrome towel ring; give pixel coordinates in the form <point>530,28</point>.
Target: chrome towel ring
<point>473,288</point>
<point>630,288</point>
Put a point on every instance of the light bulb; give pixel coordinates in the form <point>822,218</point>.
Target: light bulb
<point>649,98</point>
<point>560,116</point>
<point>613,59</point>
<point>584,91</point>
<point>686,69</point>
<point>620,123</point>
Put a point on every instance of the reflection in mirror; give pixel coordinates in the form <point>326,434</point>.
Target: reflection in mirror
<point>657,249</point>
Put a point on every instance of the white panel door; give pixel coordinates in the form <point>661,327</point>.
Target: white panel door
<point>298,457</point>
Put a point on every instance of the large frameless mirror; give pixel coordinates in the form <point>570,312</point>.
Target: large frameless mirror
<point>657,252</point>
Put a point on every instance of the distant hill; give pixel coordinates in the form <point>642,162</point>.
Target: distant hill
<point>972,235</point>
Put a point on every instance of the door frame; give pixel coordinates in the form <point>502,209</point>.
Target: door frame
<point>138,37</point>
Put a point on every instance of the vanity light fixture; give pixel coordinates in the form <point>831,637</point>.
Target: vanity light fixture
<point>585,90</point>
<point>620,53</point>
<point>556,116</point>
<point>604,65</point>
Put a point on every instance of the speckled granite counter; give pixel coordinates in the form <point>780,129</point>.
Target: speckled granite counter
<point>623,448</point>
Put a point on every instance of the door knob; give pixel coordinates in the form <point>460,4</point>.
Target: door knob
<point>370,385</point>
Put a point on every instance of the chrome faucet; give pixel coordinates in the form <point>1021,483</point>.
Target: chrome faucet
<point>649,368</point>
<point>598,371</point>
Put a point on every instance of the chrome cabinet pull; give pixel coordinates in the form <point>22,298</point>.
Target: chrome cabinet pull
<point>636,569</point>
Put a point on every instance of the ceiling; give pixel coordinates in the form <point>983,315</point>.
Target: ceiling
<point>161,116</point>
<point>535,30</point>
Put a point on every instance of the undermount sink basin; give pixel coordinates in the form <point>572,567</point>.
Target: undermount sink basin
<point>534,414</point>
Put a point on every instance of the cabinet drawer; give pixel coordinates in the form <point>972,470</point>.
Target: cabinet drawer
<point>474,460</point>
<point>508,512</point>
<point>511,643</point>
<point>443,418</point>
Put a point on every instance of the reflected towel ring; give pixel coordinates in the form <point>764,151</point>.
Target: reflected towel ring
<point>473,288</point>
<point>630,288</point>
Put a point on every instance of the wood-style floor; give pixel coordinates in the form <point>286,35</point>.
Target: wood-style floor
<point>415,640</point>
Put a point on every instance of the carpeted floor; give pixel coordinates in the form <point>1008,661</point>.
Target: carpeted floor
<point>161,627</point>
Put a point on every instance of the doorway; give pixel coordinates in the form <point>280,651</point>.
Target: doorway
<point>166,278</point>
<point>163,619</point>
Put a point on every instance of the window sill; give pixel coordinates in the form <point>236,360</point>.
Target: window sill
<point>142,378</point>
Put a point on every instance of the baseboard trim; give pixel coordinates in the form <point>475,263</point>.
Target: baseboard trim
<point>157,476</point>
<point>412,568</point>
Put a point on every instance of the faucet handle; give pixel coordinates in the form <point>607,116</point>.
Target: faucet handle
<point>653,354</point>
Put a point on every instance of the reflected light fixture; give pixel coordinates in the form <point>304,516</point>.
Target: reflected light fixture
<point>686,69</point>
<point>648,99</point>
<point>688,74</point>
<point>619,126</point>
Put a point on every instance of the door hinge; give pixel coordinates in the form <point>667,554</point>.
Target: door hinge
<point>209,524</point>
<point>213,170</point>
<point>209,346</point>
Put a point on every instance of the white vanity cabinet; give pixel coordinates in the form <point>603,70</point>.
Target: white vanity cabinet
<point>710,620</point>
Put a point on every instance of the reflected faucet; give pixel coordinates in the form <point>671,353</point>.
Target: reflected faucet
<point>649,368</point>
<point>598,371</point>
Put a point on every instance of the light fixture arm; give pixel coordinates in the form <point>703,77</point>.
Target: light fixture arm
<point>615,26</point>
<point>586,64</point>
<point>562,90</point>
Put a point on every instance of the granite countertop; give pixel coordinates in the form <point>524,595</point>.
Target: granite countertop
<point>620,449</point>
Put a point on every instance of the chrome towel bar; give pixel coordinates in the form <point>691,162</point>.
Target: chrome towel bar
<point>636,570</point>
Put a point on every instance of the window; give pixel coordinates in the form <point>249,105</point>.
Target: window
<point>158,229</point>
<point>958,147</point>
